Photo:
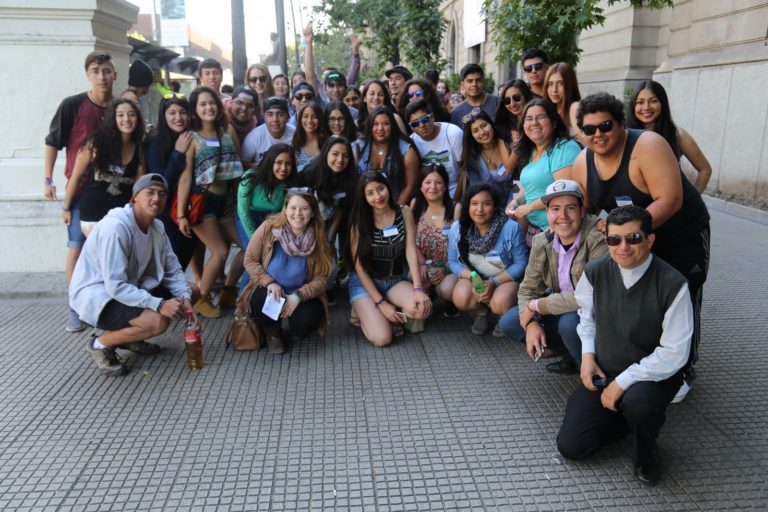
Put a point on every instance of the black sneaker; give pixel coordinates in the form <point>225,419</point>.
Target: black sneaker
<point>106,360</point>
<point>331,296</point>
<point>450,311</point>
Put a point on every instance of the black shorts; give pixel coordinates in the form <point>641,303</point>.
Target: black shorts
<point>116,315</point>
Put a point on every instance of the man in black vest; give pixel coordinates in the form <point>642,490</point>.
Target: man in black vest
<point>636,322</point>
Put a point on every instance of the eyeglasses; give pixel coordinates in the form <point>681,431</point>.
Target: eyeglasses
<point>260,78</point>
<point>299,190</point>
<point>418,94</point>
<point>172,95</point>
<point>515,97</point>
<point>631,239</point>
<point>538,119</point>
<point>604,127</point>
<point>306,96</point>
<point>538,66</point>
<point>420,121</point>
<point>472,115</point>
<point>334,120</point>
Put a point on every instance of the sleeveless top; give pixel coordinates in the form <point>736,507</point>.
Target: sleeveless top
<point>388,252</point>
<point>432,241</point>
<point>108,189</point>
<point>690,219</point>
<point>216,159</point>
<point>363,152</point>
<point>499,179</point>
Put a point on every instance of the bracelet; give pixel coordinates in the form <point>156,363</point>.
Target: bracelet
<point>162,301</point>
<point>422,290</point>
<point>178,219</point>
<point>49,181</point>
<point>65,209</point>
<point>378,303</point>
<point>298,297</point>
<point>532,322</point>
<point>423,264</point>
<point>495,281</point>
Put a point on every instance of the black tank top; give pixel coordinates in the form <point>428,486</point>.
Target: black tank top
<point>108,188</point>
<point>690,219</point>
<point>388,252</point>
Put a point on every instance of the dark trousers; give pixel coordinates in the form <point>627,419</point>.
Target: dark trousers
<point>587,425</point>
<point>306,318</point>
<point>690,257</point>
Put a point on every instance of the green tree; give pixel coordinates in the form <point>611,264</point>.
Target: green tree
<point>396,30</point>
<point>552,25</point>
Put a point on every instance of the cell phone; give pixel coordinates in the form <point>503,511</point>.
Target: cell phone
<point>601,382</point>
<point>402,316</point>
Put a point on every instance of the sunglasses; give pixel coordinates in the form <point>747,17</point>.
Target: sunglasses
<point>471,116</point>
<point>172,95</point>
<point>533,67</point>
<point>604,127</point>
<point>260,78</point>
<point>299,190</point>
<point>456,97</point>
<point>632,239</point>
<point>420,121</point>
<point>515,97</point>
<point>417,94</point>
<point>306,96</point>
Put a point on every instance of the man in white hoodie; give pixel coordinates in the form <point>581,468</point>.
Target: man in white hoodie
<point>127,280</point>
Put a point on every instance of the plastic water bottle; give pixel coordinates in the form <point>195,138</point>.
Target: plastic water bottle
<point>193,342</point>
<point>478,284</point>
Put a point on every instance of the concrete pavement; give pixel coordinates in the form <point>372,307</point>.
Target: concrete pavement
<point>442,420</point>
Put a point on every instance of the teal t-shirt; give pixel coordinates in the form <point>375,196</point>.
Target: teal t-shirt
<point>537,176</point>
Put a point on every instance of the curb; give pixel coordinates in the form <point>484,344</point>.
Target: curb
<point>739,210</point>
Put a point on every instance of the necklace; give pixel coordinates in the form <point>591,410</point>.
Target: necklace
<point>436,215</point>
<point>621,155</point>
<point>488,159</point>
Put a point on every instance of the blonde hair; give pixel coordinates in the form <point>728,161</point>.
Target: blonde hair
<point>321,257</point>
<point>270,88</point>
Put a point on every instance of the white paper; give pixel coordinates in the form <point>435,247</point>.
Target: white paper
<point>273,307</point>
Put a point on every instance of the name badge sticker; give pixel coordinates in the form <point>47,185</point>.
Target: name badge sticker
<point>339,195</point>
<point>390,231</point>
<point>212,143</point>
<point>446,231</point>
<point>624,201</point>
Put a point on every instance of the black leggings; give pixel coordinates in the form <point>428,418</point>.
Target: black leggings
<point>306,318</point>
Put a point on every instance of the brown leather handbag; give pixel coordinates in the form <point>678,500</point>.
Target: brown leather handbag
<point>244,333</point>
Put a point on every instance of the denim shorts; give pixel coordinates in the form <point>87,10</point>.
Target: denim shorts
<point>357,290</point>
<point>75,236</point>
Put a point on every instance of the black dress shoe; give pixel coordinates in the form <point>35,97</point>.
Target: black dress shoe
<point>564,366</point>
<point>649,472</point>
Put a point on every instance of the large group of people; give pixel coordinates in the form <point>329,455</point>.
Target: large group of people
<point>412,200</point>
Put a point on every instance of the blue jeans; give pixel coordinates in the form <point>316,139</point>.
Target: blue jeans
<point>560,330</point>
<point>243,236</point>
<point>75,236</point>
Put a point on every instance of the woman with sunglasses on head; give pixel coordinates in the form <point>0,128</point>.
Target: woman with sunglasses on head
<point>420,89</point>
<point>259,78</point>
<point>384,148</point>
<point>339,122</point>
<point>310,134</point>
<point>112,159</point>
<point>212,170</point>
<point>375,94</point>
<point>287,259</point>
<point>561,87</point>
<point>649,110</point>
<point>485,156</point>
<point>165,153</point>
<point>383,250</point>
<point>509,116</point>
<point>282,86</point>
<point>547,154</point>
<point>433,208</point>
<point>485,243</point>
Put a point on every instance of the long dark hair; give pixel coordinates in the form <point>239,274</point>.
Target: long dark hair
<point>420,203</point>
<point>350,129</point>
<point>664,125</point>
<point>362,216</point>
<point>264,174</point>
<point>107,141</point>
<point>362,116</point>
<point>465,222</point>
<point>300,136</point>
<point>471,149</point>
<point>430,96</point>
<point>504,117</point>
<point>164,136</point>
<point>397,160</point>
<point>195,123</point>
<point>324,181</point>
<point>525,145</point>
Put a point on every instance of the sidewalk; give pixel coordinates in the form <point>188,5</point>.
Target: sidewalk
<point>443,420</point>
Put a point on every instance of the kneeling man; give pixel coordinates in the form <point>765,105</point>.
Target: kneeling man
<point>636,323</point>
<point>128,281</point>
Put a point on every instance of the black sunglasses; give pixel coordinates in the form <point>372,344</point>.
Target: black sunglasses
<point>604,127</point>
<point>531,67</point>
<point>260,78</point>
<point>515,97</point>
<point>632,239</point>
<point>306,96</point>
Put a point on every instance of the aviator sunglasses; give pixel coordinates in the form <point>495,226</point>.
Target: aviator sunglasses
<point>632,239</point>
<point>538,66</point>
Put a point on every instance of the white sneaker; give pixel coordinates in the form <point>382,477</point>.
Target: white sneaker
<point>681,393</point>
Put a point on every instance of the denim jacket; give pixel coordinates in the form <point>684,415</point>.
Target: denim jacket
<point>510,245</point>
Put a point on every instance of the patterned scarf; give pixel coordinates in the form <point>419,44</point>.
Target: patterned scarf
<point>295,245</point>
<point>482,244</point>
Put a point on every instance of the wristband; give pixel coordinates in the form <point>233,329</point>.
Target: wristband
<point>162,301</point>
<point>495,281</point>
<point>179,219</point>
<point>65,209</point>
<point>378,303</point>
<point>419,290</point>
<point>298,297</point>
<point>49,181</point>
<point>423,264</point>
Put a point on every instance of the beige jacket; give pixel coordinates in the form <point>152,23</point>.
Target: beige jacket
<point>541,279</point>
